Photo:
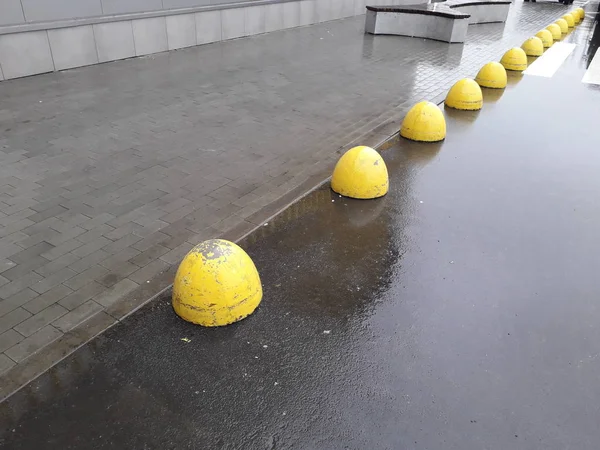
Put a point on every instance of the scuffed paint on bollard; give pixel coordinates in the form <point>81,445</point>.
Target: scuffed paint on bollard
<point>546,38</point>
<point>515,59</point>
<point>216,284</point>
<point>533,46</point>
<point>360,173</point>
<point>465,95</point>
<point>425,123</point>
<point>492,75</point>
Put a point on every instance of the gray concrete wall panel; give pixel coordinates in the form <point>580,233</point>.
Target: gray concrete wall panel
<point>291,14</point>
<point>11,12</point>
<point>24,54</point>
<point>208,27</point>
<point>233,23</point>
<point>114,40</point>
<point>44,10</point>
<point>181,31</point>
<point>308,12</point>
<point>128,6</point>
<point>171,4</point>
<point>273,17</point>
<point>255,20</point>
<point>73,47</point>
<point>150,35</point>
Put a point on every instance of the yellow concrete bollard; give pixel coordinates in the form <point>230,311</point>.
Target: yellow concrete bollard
<point>492,75</point>
<point>576,16</point>
<point>465,95</point>
<point>425,123</point>
<point>581,13</point>
<point>569,19</point>
<point>360,173</point>
<point>564,27</point>
<point>533,46</point>
<point>216,284</point>
<point>514,59</point>
<point>554,29</point>
<point>546,38</point>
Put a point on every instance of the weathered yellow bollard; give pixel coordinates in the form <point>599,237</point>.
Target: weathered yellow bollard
<point>425,123</point>
<point>514,59</point>
<point>564,27</point>
<point>569,19</point>
<point>492,75</point>
<point>360,173</point>
<point>533,46</point>
<point>546,38</point>
<point>581,13</point>
<point>216,284</point>
<point>575,15</point>
<point>554,29</point>
<point>465,95</point>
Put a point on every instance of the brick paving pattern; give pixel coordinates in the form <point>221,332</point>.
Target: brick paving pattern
<point>110,174</point>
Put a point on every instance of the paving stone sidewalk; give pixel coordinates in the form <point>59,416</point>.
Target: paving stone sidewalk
<point>110,174</point>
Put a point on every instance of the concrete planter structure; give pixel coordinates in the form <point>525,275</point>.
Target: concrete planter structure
<point>424,21</point>
<point>441,21</point>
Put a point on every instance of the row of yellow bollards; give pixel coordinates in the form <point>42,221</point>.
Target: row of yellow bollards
<point>217,283</point>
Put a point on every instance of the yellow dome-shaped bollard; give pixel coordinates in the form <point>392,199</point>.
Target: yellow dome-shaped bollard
<point>581,12</point>
<point>465,95</point>
<point>360,173</point>
<point>564,27</point>
<point>576,16</point>
<point>216,284</point>
<point>554,29</point>
<point>533,46</point>
<point>546,38</point>
<point>492,75</point>
<point>425,123</point>
<point>514,59</point>
<point>569,19</point>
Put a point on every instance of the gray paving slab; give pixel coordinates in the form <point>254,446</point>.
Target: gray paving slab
<point>143,158</point>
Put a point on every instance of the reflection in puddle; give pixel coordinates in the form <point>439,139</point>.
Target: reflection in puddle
<point>513,78</point>
<point>491,95</point>
<point>461,116</point>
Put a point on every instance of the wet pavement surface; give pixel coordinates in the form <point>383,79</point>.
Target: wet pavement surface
<point>109,174</point>
<point>458,312</point>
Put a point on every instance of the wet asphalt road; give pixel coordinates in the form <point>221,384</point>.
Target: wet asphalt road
<point>458,312</point>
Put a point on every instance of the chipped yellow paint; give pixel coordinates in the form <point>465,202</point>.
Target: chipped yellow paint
<point>425,123</point>
<point>216,284</point>
<point>360,173</point>
<point>466,95</point>
<point>492,75</point>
